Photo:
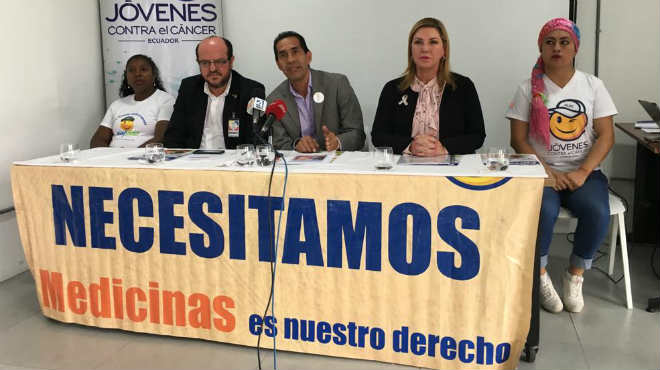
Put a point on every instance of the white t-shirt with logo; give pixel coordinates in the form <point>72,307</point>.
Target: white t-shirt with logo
<point>134,122</point>
<point>572,110</point>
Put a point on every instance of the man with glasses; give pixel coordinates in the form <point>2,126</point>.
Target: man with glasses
<point>323,111</point>
<point>210,110</point>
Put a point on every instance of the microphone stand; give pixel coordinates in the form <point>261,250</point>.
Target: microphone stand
<point>278,154</point>
<point>261,140</point>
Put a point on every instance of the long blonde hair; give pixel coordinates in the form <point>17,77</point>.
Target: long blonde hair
<point>444,72</point>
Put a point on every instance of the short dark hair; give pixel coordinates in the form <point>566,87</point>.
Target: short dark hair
<point>286,34</point>
<point>230,48</point>
<point>125,89</point>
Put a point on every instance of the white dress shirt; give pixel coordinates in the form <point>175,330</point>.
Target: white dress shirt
<point>213,135</point>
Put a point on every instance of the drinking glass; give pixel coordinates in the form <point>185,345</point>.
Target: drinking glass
<point>383,158</point>
<point>245,155</point>
<point>154,153</point>
<point>497,158</point>
<point>69,152</point>
<point>265,155</point>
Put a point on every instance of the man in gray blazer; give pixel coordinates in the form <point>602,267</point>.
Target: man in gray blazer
<point>323,112</point>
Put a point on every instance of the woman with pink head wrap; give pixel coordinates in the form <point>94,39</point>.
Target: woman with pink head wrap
<point>539,120</point>
<point>564,117</point>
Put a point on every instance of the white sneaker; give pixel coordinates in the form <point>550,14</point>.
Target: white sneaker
<point>572,292</point>
<point>549,298</point>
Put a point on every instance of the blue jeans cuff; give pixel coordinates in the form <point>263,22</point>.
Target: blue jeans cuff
<point>579,262</point>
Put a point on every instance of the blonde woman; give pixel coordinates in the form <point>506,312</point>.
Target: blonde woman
<point>429,110</point>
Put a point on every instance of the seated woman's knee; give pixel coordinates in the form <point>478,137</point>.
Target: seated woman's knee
<point>549,210</point>
<point>594,210</point>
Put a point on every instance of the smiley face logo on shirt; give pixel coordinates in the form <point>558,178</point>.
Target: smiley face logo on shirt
<point>568,119</point>
<point>127,123</point>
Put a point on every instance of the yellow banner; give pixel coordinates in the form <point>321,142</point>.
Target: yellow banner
<point>416,270</point>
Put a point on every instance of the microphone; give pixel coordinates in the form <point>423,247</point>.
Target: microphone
<point>254,108</point>
<point>274,112</point>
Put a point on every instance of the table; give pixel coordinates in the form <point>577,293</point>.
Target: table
<point>421,265</point>
<point>646,224</point>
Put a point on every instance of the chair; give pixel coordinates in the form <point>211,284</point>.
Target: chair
<point>618,226</point>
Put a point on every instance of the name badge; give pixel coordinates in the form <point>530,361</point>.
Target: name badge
<point>233,128</point>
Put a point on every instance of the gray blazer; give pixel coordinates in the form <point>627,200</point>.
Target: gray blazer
<point>340,111</point>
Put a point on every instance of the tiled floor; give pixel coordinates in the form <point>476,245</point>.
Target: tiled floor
<point>604,336</point>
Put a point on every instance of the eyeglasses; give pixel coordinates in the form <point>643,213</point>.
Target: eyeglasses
<point>217,63</point>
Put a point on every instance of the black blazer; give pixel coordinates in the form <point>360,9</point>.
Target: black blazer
<point>187,122</point>
<point>461,128</point>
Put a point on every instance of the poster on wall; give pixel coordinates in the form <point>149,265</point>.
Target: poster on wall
<point>165,30</point>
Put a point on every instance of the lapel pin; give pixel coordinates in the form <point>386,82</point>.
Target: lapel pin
<point>404,100</point>
<point>318,97</point>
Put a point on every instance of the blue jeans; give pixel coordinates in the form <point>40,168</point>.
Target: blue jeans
<point>590,204</point>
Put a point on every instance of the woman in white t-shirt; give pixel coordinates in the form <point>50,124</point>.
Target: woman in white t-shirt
<point>142,113</point>
<point>564,116</point>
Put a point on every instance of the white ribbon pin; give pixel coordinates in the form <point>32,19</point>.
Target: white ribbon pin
<point>318,97</point>
<point>404,100</point>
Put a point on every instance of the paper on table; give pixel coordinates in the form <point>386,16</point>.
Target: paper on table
<point>440,160</point>
<point>646,124</point>
<point>307,158</point>
<point>171,154</point>
<point>516,159</point>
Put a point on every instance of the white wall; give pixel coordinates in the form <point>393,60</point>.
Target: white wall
<point>50,71</point>
<point>586,21</point>
<point>629,65</point>
<point>493,43</point>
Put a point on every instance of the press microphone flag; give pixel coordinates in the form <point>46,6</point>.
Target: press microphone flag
<point>255,107</point>
<point>274,112</point>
